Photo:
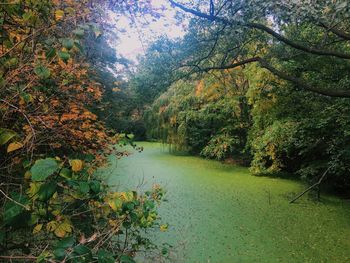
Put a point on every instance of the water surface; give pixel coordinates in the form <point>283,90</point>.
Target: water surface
<point>221,213</point>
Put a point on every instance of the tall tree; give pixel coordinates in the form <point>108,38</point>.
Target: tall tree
<point>317,30</point>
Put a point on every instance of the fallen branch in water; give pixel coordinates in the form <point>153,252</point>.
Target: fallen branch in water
<point>312,186</point>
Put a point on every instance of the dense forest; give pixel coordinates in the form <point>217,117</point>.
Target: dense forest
<point>262,84</point>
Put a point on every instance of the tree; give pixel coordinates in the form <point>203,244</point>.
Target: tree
<point>285,31</point>
<point>53,205</point>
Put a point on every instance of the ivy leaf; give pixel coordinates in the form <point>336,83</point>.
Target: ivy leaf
<point>43,168</point>
<point>14,146</point>
<point>42,72</point>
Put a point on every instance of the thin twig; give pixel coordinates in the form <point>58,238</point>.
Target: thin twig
<point>9,198</point>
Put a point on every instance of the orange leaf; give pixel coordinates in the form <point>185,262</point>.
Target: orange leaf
<point>14,146</point>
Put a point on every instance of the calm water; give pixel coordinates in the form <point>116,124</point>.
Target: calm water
<point>220,213</point>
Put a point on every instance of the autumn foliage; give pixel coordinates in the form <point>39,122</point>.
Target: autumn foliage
<point>51,142</point>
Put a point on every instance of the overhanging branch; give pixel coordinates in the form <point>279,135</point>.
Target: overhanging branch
<point>265,29</point>
<point>297,81</point>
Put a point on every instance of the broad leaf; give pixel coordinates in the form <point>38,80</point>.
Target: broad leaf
<point>14,146</point>
<point>46,191</point>
<point>6,135</point>
<point>65,243</point>
<point>12,210</point>
<point>43,168</point>
<point>64,55</point>
<point>105,257</point>
<point>77,165</point>
<point>66,173</point>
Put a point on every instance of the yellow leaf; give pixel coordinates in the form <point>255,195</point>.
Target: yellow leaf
<point>77,165</point>
<point>63,229</point>
<point>51,226</point>
<point>115,204</point>
<point>27,175</point>
<point>37,228</point>
<point>127,196</point>
<point>60,228</point>
<point>163,228</point>
<point>33,190</point>
<point>14,146</point>
<point>59,14</point>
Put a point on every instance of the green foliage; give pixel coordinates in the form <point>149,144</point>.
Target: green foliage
<point>42,72</point>
<point>57,209</point>
<point>206,117</point>
<point>43,168</point>
<point>59,204</point>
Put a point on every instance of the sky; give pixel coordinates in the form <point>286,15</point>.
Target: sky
<point>134,40</point>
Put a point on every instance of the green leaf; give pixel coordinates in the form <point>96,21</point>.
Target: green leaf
<point>81,250</point>
<point>46,191</point>
<point>95,186</point>
<point>43,168</point>
<point>59,253</point>
<point>12,210</point>
<point>6,135</point>
<point>66,173</point>
<point>26,164</point>
<point>105,257</point>
<point>11,62</point>
<point>68,43</point>
<point>43,257</point>
<point>64,55</point>
<point>84,187</point>
<point>50,53</point>
<point>42,72</point>
<point>66,242</point>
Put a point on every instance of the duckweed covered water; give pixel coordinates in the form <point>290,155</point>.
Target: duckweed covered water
<point>220,213</point>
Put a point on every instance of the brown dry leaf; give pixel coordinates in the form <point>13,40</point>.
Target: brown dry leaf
<point>14,146</point>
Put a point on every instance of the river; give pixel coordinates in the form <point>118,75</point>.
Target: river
<point>221,213</point>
